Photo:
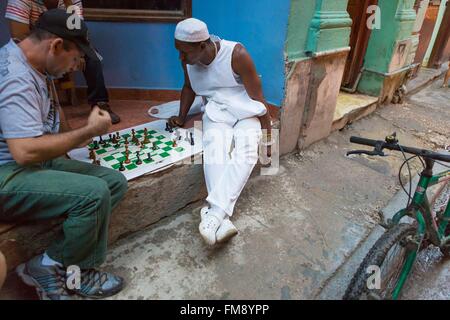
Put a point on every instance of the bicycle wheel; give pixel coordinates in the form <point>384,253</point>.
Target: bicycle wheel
<point>389,254</point>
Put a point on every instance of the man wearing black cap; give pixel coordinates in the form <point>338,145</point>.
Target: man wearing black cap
<point>22,16</point>
<point>36,182</point>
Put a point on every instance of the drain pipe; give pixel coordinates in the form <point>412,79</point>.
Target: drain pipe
<point>353,89</point>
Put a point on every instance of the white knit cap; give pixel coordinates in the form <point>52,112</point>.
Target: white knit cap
<point>191,30</point>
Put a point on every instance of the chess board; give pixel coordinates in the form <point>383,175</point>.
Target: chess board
<point>157,153</point>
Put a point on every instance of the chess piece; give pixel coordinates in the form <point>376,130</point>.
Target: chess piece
<point>110,138</point>
<point>138,161</point>
<point>92,155</point>
<point>149,157</point>
<point>174,143</point>
<point>192,138</point>
<point>126,141</point>
<point>127,156</point>
<point>133,138</point>
<point>154,147</point>
<point>146,139</point>
<point>101,141</point>
<point>167,126</point>
<point>121,168</point>
<point>96,146</point>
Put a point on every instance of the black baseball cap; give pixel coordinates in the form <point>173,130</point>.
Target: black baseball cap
<point>63,25</point>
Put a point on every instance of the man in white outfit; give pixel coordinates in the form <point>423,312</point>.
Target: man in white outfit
<point>223,73</point>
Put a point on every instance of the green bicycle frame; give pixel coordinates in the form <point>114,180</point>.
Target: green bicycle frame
<point>421,211</point>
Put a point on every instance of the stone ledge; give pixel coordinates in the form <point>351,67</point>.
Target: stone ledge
<point>143,205</point>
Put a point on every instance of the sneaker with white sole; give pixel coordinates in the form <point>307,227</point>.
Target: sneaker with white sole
<point>97,284</point>
<point>49,281</point>
<point>204,212</point>
<point>226,231</point>
<point>208,228</point>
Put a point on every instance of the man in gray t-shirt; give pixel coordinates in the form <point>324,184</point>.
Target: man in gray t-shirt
<point>36,181</point>
<point>25,105</point>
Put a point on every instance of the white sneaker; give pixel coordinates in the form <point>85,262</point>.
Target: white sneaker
<point>226,231</point>
<point>208,228</point>
<point>204,212</point>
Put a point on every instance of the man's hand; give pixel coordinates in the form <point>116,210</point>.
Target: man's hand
<point>176,121</point>
<point>266,126</point>
<point>99,122</point>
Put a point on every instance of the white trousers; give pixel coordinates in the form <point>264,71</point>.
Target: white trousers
<point>229,156</point>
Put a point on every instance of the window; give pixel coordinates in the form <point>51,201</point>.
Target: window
<point>137,10</point>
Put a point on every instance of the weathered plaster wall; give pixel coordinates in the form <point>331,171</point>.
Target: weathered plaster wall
<point>397,22</point>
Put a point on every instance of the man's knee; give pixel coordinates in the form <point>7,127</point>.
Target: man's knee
<point>119,184</point>
<point>247,147</point>
<point>95,196</point>
<point>2,269</point>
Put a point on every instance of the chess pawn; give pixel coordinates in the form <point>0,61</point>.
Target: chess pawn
<point>174,143</point>
<point>146,140</point>
<point>121,168</point>
<point>92,155</point>
<point>138,161</point>
<point>126,141</point>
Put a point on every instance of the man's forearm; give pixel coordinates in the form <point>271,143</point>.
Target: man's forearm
<point>187,99</point>
<point>50,146</point>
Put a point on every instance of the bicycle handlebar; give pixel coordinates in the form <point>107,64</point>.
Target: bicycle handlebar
<point>397,147</point>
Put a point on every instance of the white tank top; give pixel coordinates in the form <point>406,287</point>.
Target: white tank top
<point>226,97</point>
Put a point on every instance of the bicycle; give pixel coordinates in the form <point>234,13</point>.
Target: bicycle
<point>387,265</point>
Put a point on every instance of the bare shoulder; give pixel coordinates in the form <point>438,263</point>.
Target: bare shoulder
<point>241,59</point>
<point>239,52</point>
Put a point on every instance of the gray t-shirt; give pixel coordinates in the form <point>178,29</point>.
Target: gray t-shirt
<point>26,109</point>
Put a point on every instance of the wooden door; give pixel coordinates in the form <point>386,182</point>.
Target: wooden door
<point>426,32</point>
<point>441,50</point>
<point>359,39</point>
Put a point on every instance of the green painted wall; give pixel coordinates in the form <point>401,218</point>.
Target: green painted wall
<point>300,17</point>
<point>330,27</point>
<point>397,22</point>
<point>315,26</point>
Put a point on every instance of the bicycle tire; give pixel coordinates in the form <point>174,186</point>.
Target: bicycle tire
<point>376,256</point>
